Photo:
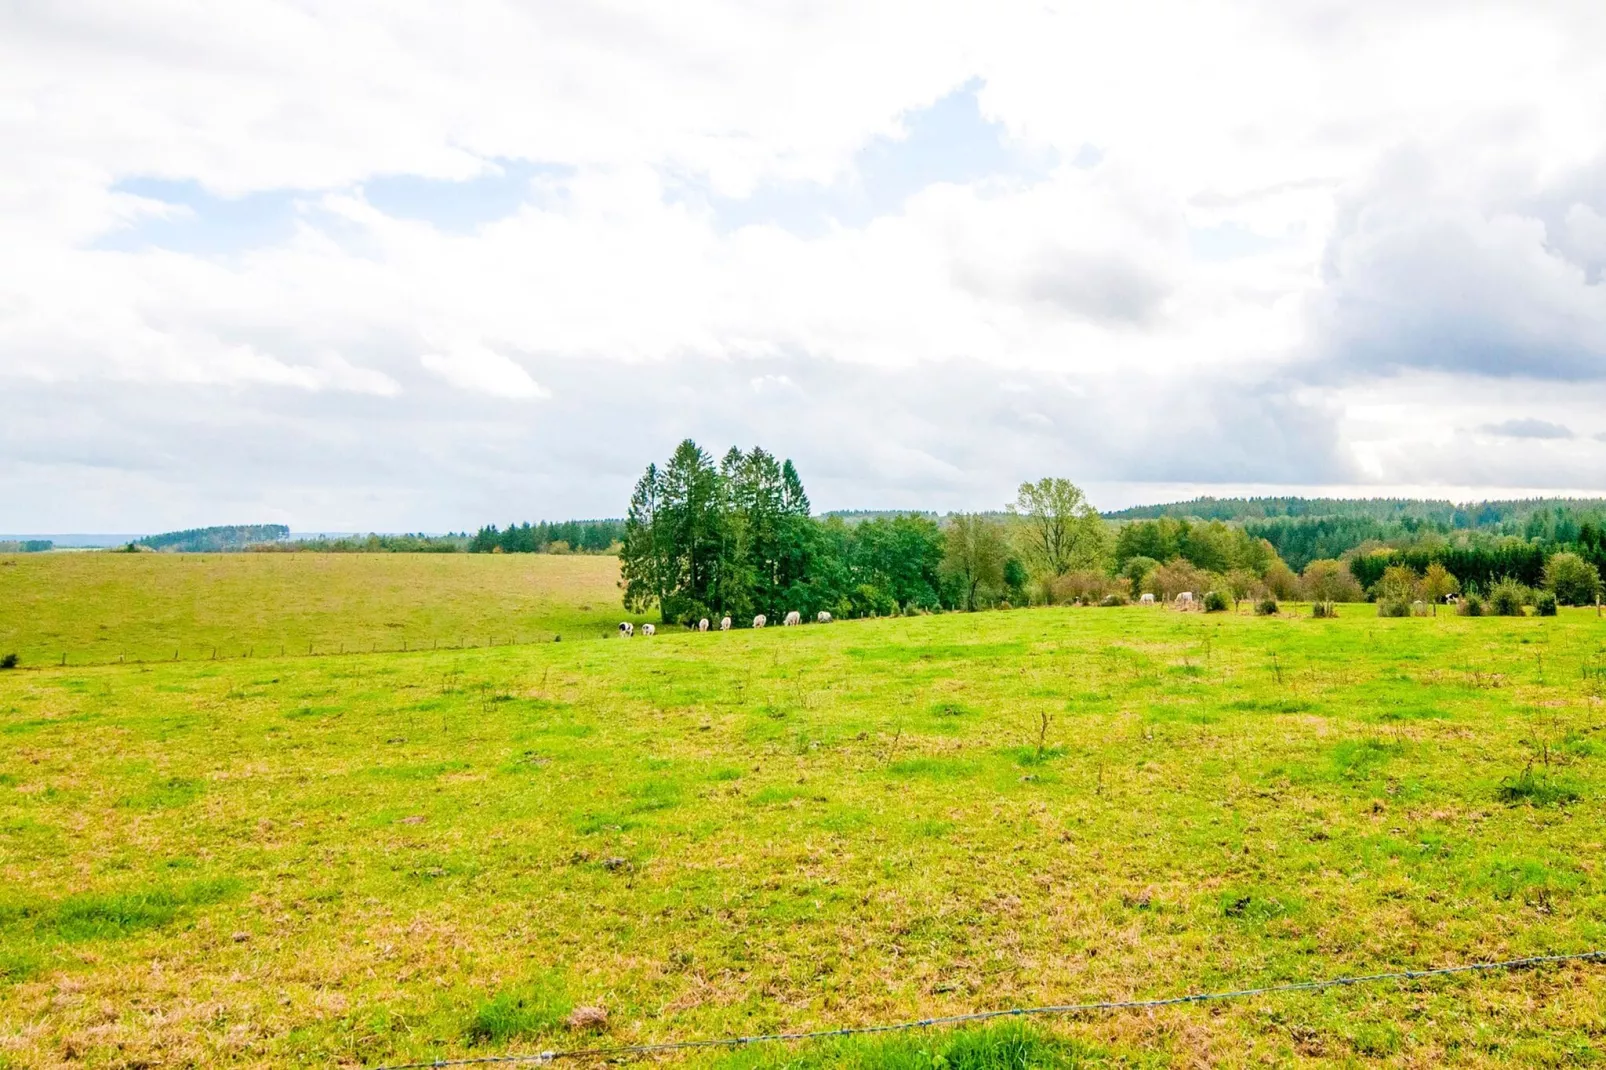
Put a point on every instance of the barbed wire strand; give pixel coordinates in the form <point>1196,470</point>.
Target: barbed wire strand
<point>983,1016</point>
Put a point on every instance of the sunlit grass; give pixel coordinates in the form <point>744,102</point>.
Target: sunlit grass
<point>377,858</point>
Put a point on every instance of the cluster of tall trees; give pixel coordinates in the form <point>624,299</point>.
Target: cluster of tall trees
<point>547,537</point>
<point>214,539</point>
<point>706,540</point>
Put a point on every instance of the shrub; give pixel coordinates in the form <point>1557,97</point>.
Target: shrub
<point>8,662</point>
<point>1471,606</point>
<point>1574,580</point>
<point>1329,581</point>
<point>1507,598</point>
<point>1545,604</point>
<point>1215,602</point>
<point>1267,606</point>
<point>1114,598</point>
<point>1393,607</point>
<point>1327,610</point>
<point>1089,587</point>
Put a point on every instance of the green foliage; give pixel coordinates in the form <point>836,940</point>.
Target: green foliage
<point>1059,531</point>
<point>1545,604</point>
<point>9,661</point>
<point>1393,607</point>
<point>567,536</point>
<point>1216,602</point>
<point>1471,606</point>
<point>1508,597</point>
<point>974,554</point>
<point>1574,581</point>
<point>26,546</point>
<point>209,540</point>
<point>701,541</point>
<point>1267,606</point>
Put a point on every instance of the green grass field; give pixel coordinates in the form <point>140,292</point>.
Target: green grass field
<point>101,607</point>
<point>361,859</point>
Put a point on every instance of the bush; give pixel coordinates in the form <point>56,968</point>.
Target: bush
<point>1267,606</point>
<point>1574,580</point>
<point>8,662</point>
<point>1507,598</point>
<point>1471,606</point>
<point>1326,610</point>
<point>1545,604</point>
<point>1215,602</point>
<point>1113,599</point>
<point>1393,607</point>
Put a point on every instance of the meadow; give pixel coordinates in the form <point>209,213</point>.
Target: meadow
<point>364,859</point>
<point>93,608</point>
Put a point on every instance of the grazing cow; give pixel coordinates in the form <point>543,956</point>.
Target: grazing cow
<point>702,625</point>
<point>1146,600</point>
<point>647,629</point>
<point>724,624</point>
<point>759,621</point>
<point>626,629</point>
<point>1452,600</point>
<point>792,618</point>
<point>824,617</point>
<point>1185,598</point>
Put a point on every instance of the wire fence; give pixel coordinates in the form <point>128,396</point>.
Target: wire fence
<point>661,1047</point>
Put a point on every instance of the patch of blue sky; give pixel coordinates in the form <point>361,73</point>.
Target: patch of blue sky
<point>467,205</point>
<point>950,141</point>
<point>203,222</point>
<point>207,224</point>
<point>1231,241</point>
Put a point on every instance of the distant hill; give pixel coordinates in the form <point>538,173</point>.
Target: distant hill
<point>212,540</point>
<point>1439,513</point>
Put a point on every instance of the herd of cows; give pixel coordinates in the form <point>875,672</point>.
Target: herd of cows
<point>627,629</point>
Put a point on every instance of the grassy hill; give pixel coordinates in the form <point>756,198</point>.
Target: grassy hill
<point>365,859</point>
<point>103,607</point>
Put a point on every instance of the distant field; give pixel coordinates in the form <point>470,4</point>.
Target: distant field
<point>366,859</point>
<point>99,607</point>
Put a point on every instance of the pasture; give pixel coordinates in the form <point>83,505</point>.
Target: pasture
<point>369,858</point>
<point>101,607</point>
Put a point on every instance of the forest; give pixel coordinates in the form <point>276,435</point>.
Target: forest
<point>736,537</point>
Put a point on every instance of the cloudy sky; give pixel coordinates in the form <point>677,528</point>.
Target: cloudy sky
<point>402,265</point>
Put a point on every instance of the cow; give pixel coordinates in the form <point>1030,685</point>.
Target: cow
<point>1146,600</point>
<point>823,617</point>
<point>647,629</point>
<point>702,625</point>
<point>792,618</point>
<point>1185,598</point>
<point>626,629</point>
<point>759,621</point>
<point>1452,600</point>
<point>724,624</point>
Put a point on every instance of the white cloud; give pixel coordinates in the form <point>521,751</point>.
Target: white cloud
<point>471,366</point>
<point>1268,224</point>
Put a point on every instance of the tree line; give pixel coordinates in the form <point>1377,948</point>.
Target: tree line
<point>736,537</point>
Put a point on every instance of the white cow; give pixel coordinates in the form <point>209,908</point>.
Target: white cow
<point>1185,598</point>
<point>702,625</point>
<point>1146,600</point>
<point>824,617</point>
<point>626,629</point>
<point>1452,600</point>
<point>759,621</point>
<point>792,618</point>
<point>647,629</point>
<point>724,624</point>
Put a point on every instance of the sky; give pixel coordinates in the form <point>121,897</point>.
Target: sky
<point>408,266</point>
